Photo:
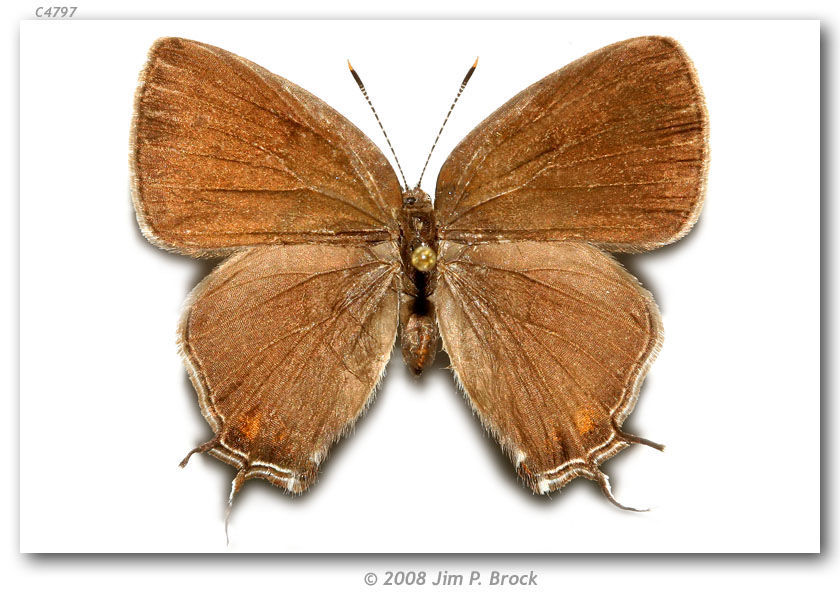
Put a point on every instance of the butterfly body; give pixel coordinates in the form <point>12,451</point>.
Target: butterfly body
<point>328,260</point>
<point>418,243</point>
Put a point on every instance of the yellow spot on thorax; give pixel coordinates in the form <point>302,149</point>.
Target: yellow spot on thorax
<point>423,258</point>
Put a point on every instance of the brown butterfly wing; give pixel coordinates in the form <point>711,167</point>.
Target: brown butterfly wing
<point>551,341</point>
<point>285,345</point>
<point>611,149</point>
<point>226,155</point>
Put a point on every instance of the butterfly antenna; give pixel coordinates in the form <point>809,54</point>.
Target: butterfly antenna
<point>458,95</point>
<point>362,87</point>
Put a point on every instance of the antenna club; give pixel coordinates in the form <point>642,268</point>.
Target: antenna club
<point>351,66</point>
<point>475,64</point>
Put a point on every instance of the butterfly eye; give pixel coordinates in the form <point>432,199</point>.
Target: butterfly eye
<point>409,201</point>
<point>423,258</point>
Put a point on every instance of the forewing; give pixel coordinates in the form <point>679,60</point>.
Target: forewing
<point>611,149</point>
<point>226,154</point>
<point>551,341</point>
<point>284,345</point>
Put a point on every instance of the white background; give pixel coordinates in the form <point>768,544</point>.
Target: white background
<point>107,412</point>
<point>755,109</point>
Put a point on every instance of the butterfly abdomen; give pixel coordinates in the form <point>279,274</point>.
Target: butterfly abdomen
<point>419,341</point>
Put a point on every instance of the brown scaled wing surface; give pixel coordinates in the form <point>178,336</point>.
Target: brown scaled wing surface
<point>550,340</point>
<point>227,155</point>
<point>549,336</point>
<point>610,149</point>
<point>285,345</point>
<point>286,339</point>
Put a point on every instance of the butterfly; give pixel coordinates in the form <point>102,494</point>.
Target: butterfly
<point>328,259</point>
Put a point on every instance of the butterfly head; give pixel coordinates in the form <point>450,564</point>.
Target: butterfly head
<point>416,198</point>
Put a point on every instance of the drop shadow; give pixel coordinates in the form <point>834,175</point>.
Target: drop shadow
<point>202,267</point>
<point>441,371</point>
<point>637,264</point>
<point>827,294</point>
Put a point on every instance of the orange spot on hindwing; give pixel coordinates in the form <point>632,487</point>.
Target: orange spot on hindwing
<point>250,426</point>
<point>584,420</point>
<point>243,429</point>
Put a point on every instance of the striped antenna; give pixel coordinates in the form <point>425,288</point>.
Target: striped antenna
<point>362,87</point>
<point>458,95</point>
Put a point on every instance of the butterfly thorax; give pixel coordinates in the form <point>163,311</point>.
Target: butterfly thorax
<point>418,253</point>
